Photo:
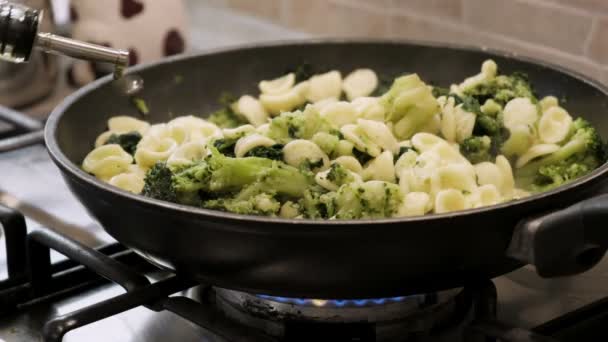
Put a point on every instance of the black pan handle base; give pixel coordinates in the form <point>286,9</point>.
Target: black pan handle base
<point>565,242</point>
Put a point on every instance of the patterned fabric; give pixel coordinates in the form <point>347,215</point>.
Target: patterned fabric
<point>149,29</point>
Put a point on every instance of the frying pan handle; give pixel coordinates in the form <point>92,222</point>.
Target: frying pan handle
<point>563,242</point>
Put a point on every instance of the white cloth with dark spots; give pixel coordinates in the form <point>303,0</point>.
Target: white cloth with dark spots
<point>149,29</point>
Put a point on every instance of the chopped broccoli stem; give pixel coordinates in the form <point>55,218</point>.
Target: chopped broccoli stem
<point>477,149</point>
<point>503,89</point>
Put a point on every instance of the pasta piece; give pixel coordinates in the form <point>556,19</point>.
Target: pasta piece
<point>380,168</point>
<point>359,83</point>
<point>465,123</point>
<point>519,194</point>
<point>488,72</point>
<point>131,182</point>
<point>380,134</point>
<point>251,109</point>
<point>136,169</point>
<point>355,135</point>
<point>508,182</point>
<point>426,141</point>
<point>554,125</point>
<point>324,86</point>
<point>204,132</point>
<point>350,163</point>
<point>238,132</point>
<point>344,148</point>
<point>520,111</point>
<point>405,161</point>
<point>103,138</point>
<point>534,152</point>
<point>548,102</point>
<point>484,195</point>
<point>177,132</point>
<point>457,176</point>
<point>489,173</point>
<point>276,104</point>
<point>125,124</point>
<point>449,200</point>
<point>279,85</point>
<point>107,161</point>
<point>415,203</point>
<point>263,129</point>
<point>300,151</point>
<point>152,149</point>
<point>449,154</point>
<point>187,153</point>
<point>448,120</point>
<point>369,108</point>
<point>289,210</point>
<point>324,103</point>
<point>246,144</point>
<point>520,140</point>
<point>339,114</point>
<point>433,126</point>
<point>327,142</point>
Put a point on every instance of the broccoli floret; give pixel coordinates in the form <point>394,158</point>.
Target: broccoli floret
<point>226,117</point>
<point>317,203</point>
<point>274,152</point>
<point>338,174</point>
<point>158,183</point>
<point>373,199</point>
<point>503,88</point>
<point>409,105</point>
<point>221,174</point>
<point>128,141</point>
<point>246,202</point>
<point>477,149</point>
<point>225,146</point>
<point>297,125</point>
<point>583,152</point>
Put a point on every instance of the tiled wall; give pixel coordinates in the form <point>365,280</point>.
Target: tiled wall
<point>573,33</point>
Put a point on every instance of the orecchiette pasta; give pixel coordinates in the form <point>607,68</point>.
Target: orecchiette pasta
<point>489,173</point>
<point>415,203</point>
<point>508,182</point>
<point>359,83</point>
<point>252,110</point>
<point>350,163</point>
<point>278,103</point>
<point>247,143</point>
<point>103,138</point>
<point>328,85</point>
<point>554,125</point>
<point>279,85</point>
<point>357,137</point>
<point>488,71</point>
<point>339,113</point>
<point>449,200</point>
<point>152,149</point>
<point>369,108</point>
<point>124,124</point>
<point>380,168</point>
<point>237,132</point>
<point>297,152</point>
<point>131,182</point>
<point>380,134</point>
<point>107,161</point>
<point>520,111</point>
<point>534,152</point>
<point>187,153</point>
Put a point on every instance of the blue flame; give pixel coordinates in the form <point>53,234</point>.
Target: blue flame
<point>335,302</point>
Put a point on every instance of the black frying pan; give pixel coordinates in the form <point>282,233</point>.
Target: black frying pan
<point>329,259</point>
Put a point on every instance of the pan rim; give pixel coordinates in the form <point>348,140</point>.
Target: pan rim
<point>62,161</point>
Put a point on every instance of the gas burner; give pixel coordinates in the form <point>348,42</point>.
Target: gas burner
<point>379,319</point>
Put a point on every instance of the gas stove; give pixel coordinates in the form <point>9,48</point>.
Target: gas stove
<point>66,280</point>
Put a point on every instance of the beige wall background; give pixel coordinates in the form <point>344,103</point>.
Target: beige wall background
<point>573,33</point>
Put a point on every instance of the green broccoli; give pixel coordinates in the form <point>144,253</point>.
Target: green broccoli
<point>338,174</point>
<point>372,199</point>
<point>158,183</point>
<point>226,117</point>
<point>274,152</point>
<point>503,88</point>
<point>583,152</point>
<point>221,174</point>
<point>225,146</point>
<point>297,125</point>
<point>128,141</point>
<point>409,105</point>
<point>317,203</point>
<point>477,149</point>
<point>246,202</point>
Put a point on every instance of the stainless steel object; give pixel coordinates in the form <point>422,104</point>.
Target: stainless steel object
<point>25,83</point>
<point>22,35</point>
